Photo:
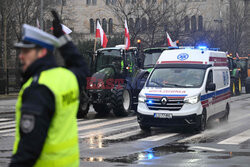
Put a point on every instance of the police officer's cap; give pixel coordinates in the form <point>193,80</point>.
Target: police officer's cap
<point>33,37</point>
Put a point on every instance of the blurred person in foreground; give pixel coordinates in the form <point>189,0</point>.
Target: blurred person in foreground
<point>46,125</point>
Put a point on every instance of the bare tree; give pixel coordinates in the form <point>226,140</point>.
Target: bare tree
<point>149,20</point>
<point>235,26</point>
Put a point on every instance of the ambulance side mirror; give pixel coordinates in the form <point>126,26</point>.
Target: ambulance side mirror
<point>211,87</point>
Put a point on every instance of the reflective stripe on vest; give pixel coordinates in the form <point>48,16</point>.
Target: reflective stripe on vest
<point>61,145</point>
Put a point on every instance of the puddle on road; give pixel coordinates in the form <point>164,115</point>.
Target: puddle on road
<point>149,154</point>
<point>228,155</point>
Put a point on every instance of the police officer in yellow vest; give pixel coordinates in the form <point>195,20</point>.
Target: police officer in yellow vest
<point>46,125</point>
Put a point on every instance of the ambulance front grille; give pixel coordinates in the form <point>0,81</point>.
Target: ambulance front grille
<point>171,105</point>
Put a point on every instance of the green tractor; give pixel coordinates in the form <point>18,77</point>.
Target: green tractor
<point>114,82</point>
<point>242,63</point>
<point>235,77</point>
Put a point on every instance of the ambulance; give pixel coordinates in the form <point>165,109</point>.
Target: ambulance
<point>187,87</point>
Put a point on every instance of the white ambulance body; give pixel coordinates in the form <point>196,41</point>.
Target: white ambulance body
<point>186,87</point>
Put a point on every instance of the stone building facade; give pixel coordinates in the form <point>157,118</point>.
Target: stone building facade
<point>81,15</point>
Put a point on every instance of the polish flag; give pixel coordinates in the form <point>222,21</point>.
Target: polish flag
<point>127,38</point>
<point>170,42</point>
<point>101,34</point>
<point>65,29</point>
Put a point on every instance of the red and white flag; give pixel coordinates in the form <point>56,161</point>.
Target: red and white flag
<point>65,29</point>
<point>127,38</point>
<point>101,34</point>
<point>170,42</point>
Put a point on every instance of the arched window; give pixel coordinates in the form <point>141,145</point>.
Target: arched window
<point>127,1</point>
<point>193,24</point>
<point>110,26</point>
<point>104,25</point>
<point>88,2</point>
<point>187,24</point>
<point>92,26</point>
<point>114,2</point>
<point>107,2</point>
<point>200,23</point>
<point>131,23</point>
<point>93,2</point>
<point>137,24</point>
<point>144,24</point>
<point>97,21</point>
<point>133,1</point>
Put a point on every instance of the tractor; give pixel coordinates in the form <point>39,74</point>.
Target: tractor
<point>243,63</point>
<point>115,80</point>
<point>150,57</point>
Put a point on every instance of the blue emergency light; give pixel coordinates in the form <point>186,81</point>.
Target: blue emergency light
<point>202,47</point>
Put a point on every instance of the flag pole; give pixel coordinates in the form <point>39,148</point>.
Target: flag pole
<point>94,49</point>
<point>95,45</point>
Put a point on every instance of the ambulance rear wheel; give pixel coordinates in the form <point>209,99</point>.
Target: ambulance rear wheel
<point>202,121</point>
<point>225,117</point>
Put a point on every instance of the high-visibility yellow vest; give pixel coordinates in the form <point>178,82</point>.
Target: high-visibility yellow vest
<point>61,145</point>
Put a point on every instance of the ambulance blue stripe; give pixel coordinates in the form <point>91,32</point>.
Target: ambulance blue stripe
<point>43,44</point>
<point>217,93</point>
<point>166,95</point>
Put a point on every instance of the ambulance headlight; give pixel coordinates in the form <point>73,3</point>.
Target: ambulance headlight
<point>141,98</point>
<point>193,99</point>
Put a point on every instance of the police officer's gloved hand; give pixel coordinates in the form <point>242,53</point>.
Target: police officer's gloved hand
<point>57,27</point>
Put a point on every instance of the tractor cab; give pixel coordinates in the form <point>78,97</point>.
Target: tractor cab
<point>150,57</point>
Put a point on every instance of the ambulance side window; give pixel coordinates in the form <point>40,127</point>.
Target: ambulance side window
<point>210,77</point>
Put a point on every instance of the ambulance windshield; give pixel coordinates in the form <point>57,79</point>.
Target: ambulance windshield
<point>176,78</point>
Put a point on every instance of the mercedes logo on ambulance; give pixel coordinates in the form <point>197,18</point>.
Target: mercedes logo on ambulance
<point>182,56</point>
<point>164,101</point>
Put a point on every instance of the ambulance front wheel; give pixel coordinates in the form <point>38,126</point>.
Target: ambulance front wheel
<point>145,128</point>
<point>202,121</point>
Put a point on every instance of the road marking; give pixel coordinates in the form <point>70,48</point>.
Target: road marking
<point>158,137</point>
<point>8,130</point>
<point>83,122</point>
<point>5,119</point>
<point>103,131</point>
<point>206,148</point>
<point>6,123</point>
<point>8,126</point>
<point>106,123</point>
<point>237,139</point>
<point>123,135</point>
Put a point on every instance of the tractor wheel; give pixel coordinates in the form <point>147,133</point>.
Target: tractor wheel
<point>83,109</point>
<point>84,105</point>
<point>238,86</point>
<point>247,85</point>
<point>101,109</point>
<point>233,87</point>
<point>121,101</point>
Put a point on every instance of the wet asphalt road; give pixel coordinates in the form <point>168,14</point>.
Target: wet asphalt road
<point>114,141</point>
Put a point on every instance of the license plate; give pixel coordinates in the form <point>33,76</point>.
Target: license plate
<point>163,115</point>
